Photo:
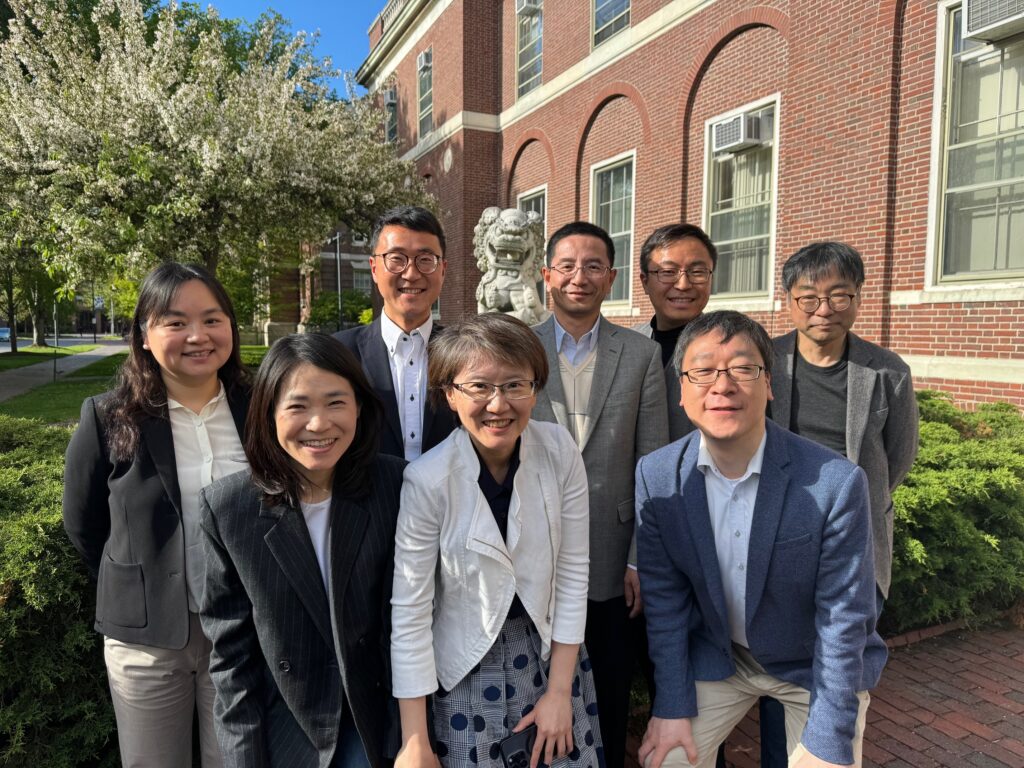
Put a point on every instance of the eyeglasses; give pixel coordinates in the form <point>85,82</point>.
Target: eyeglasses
<point>669,275</point>
<point>397,262</point>
<point>707,376</point>
<point>594,271</point>
<point>484,391</point>
<point>837,301</point>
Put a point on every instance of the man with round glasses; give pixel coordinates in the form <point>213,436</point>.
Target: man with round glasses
<point>408,266</point>
<point>677,263</point>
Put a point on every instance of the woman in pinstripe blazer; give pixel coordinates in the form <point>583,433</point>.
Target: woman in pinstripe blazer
<point>299,561</point>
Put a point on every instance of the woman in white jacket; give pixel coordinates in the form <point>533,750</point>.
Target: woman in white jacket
<point>491,561</point>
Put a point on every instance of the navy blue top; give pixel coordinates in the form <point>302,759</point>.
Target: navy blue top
<point>499,497</point>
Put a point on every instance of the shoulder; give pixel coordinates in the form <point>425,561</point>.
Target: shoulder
<point>551,437</point>
<point>880,358</point>
<point>635,345</point>
<point>432,467</point>
<point>644,329</point>
<point>234,490</point>
<point>785,343</point>
<point>810,463</point>
<point>669,455</point>
<point>389,469</point>
<point>351,337</point>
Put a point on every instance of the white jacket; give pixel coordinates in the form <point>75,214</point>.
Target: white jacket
<point>445,616</point>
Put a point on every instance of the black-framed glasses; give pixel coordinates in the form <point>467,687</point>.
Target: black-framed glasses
<point>837,301</point>
<point>670,275</point>
<point>708,376</point>
<point>397,262</point>
<point>594,271</point>
<point>484,391</point>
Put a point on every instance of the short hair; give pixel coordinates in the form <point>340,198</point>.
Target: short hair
<point>273,470</point>
<point>490,336</point>
<point>729,323</point>
<point>412,217</point>
<point>580,228</point>
<point>670,234</point>
<point>819,260</point>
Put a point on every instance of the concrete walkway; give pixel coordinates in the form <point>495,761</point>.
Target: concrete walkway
<point>20,380</point>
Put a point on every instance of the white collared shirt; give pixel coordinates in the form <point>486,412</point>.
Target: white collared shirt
<point>407,353</point>
<point>318,522</point>
<point>576,351</point>
<point>206,448</point>
<point>731,506</point>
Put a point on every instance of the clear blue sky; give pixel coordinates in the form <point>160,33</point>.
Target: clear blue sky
<point>342,23</point>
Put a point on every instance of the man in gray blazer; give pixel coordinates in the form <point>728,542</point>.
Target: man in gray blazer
<point>608,390</point>
<point>677,262</point>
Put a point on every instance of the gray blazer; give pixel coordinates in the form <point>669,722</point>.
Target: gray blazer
<point>679,424</point>
<point>881,427</point>
<point>626,419</point>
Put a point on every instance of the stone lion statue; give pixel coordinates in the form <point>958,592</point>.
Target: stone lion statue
<point>509,249</point>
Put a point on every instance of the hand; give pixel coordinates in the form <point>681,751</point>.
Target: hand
<point>633,601</point>
<point>553,716</point>
<point>807,760</point>
<point>416,753</point>
<point>663,735</point>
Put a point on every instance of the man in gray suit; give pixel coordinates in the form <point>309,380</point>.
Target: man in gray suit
<point>609,392</point>
<point>677,262</point>
<point>845,393</point>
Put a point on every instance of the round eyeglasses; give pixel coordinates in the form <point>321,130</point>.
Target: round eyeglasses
<point>670,275</point>
<point>707,376</point>
<point>397,262</point>
<point>484,391</point>
<point>594,271</point>
<point>837,301</point>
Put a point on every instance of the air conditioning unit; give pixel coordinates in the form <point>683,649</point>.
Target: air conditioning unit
<point>389,96</point>
<point>528,7</point>
<point>736,133</point>
<point>991,20</point>
<point>425,60</point>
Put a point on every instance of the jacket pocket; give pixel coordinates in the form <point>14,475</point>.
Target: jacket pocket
<point>627,511</point>
<point>121,597</point>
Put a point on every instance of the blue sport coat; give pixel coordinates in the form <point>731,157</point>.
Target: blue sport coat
<point>810,609</point>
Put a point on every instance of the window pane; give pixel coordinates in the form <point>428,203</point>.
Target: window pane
<point>613,210</point>
<point>530,45</point>
<point>426,101</point>
<point>610,16</point>
<point>984,230</point>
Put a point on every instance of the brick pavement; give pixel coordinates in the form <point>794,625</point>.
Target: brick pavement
<point>954,701</point>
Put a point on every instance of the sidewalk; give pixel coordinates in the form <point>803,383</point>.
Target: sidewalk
<point>20,380</point>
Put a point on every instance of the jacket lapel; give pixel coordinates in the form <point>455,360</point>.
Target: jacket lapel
<point>694,496</point>
<point>239,405</point>
<point>349,521</point>
<point>771,492</point>
<point>781,402</point>
<point>375,361</point>
<point>288,541</point>
<point>156,434</point>
<point>484,537</point>
<point>429,417</point>
<point>860,384</point>
<point>553,392</point>
<point>609,352</point>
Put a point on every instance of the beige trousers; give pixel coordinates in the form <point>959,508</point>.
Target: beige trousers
<point>155,692</point>
<point>723,704</point>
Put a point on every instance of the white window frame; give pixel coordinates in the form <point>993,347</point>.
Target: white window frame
<point>362,271</point>
<point>628,13</point>
<point>936,290</point>
<point>746,302</point>
<point>427,112</point>
<point>623,262</point>
<point>539,79</point>
<point>529,195</point>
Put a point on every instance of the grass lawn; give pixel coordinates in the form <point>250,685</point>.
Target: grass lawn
<point>252,355</point>
<point>32,355</point>
<point>106,367</point>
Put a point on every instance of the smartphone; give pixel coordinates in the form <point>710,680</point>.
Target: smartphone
<point>517,748</point>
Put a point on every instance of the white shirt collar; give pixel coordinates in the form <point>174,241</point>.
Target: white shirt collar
<point>392,334</point>
<point>587,341</point>
<point>173,404</point>
<point>706,461</point>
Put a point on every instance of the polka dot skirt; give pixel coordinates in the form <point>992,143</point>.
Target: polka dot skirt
<point>485,706</point>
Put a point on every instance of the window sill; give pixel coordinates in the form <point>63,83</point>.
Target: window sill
<point>956,294</point>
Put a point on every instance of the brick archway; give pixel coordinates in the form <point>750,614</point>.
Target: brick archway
<point>524,141</point>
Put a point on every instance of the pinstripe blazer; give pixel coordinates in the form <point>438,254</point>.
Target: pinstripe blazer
<point>284,650</point>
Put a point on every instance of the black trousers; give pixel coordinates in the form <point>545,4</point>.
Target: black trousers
<point>616,644</point>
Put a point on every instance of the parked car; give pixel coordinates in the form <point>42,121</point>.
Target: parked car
<point>5,334</point>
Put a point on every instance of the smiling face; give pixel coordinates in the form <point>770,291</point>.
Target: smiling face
<point>495,425</point>
<point>408,296</point>
<point>577,296</point>
<point>730,414</point>
<point>191,340</point>
<point>678,303</point>
<point>316,414</point>
<point>824,327</point>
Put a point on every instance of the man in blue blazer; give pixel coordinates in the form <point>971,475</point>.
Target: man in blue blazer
<point>755,559</point>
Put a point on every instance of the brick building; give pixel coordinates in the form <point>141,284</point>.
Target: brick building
<point>770,124</point>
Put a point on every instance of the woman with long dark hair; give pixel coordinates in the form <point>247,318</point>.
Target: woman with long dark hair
<point>300,554</point>
<point>133,472</point>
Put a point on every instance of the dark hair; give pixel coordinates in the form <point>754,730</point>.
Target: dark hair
<point>491,336</point>
<point>581,228</point>
<point>140,391</point>
<point>408,217</point>
<point>273,471</point>
<point>670,234</point>
<point>819,260</point>
<point>729,323</point>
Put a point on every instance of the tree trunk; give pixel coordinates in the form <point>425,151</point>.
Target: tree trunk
<point>10,306</point>
<point>39,329</point>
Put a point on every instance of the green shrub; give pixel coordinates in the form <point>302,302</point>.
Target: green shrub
<point>959,517</point>
<point>54,706</point>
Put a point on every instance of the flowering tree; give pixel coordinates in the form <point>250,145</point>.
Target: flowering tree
<point>150,135</point>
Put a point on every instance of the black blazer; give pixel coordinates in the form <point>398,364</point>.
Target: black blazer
<point>367,344</point>
<point>278,637</point>
<point>124,518</point>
